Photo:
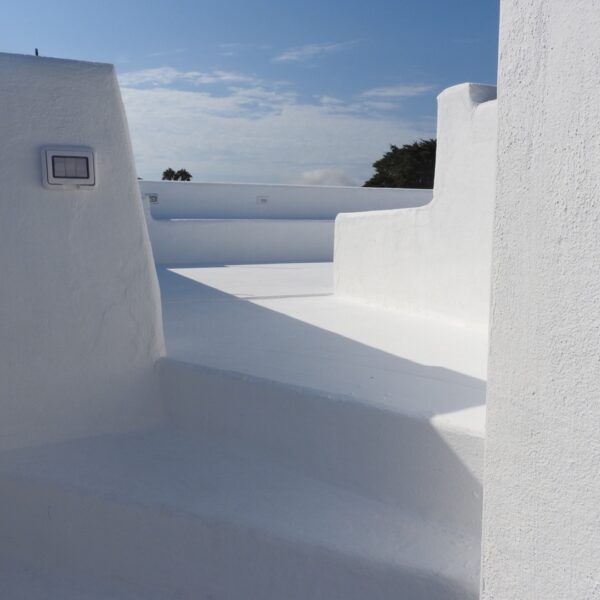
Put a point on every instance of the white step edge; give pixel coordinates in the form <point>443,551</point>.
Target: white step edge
<point>405,459</point>
<point>179,518</point>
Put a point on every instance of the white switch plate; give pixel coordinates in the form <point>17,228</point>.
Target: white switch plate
<point>68,167</point>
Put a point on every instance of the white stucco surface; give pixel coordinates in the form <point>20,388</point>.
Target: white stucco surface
<point>218,223</point>
<point>374,400</point>
<point>283,322</point>
<point>80,316</point>
<point>190,200</point>
<point>306,452</point>
<point>291,444</point>
<point>312,446</point>
<point>157,515</point>
<point>434,259</point>
<point>239,241</point>
<point>542,485</point>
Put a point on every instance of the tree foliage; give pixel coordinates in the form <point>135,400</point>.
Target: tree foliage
<point>181,175</point>
<point>411,166</point>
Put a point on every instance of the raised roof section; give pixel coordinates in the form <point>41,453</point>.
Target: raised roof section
<point>434,259</point>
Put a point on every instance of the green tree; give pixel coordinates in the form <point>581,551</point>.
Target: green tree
<point>183,175</point>
<point>168,174</point>
<point>411,166</point>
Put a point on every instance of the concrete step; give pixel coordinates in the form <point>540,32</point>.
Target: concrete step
<point>382,403</point>
<point>396,451</point>
<point>163,515</point>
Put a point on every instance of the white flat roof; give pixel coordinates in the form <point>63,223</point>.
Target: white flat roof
<point>282,322</point>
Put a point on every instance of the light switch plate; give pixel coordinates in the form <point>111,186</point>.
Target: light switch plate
<point>68,167</point>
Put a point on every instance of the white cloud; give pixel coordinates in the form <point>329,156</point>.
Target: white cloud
<point>166,52</point>
<point>399,91</point>
<point>161,76</point>
<point>259,134</point>
<point>380,105</point>
<point>256,131</point>
<point>309,51</point>
<point>329,101</point>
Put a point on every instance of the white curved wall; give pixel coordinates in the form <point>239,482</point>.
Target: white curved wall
<point>189,200</point>
<point>433,259</point>
<point>80,317</point>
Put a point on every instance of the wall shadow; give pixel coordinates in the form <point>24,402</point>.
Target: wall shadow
<point>374,435</point>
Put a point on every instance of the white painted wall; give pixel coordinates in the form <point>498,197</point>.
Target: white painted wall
<point>223,223</point>
<point>189,200</point>
<point>239,241</point>
<point>434,259</point>
<point>80,323</point>
<point>542,482</point>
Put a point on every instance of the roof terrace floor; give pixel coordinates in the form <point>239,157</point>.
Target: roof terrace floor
<point>282,322</point>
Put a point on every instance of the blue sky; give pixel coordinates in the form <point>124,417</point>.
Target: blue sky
<point>269,91</point>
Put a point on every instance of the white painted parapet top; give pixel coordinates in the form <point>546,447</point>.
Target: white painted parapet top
<point>434,259</point>
<point>542,481</point>
<point>189,200</point>
<point>80,320</point>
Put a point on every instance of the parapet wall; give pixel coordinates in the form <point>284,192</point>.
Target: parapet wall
<point>80,316</point>
<point>189,200</point>
<point>222,223</point>
<point>204,242</point>
<point>433,259</point>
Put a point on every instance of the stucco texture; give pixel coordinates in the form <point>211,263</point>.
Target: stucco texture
<point>80,324</point>
<point>542,481</point>
<point>434,259</point>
